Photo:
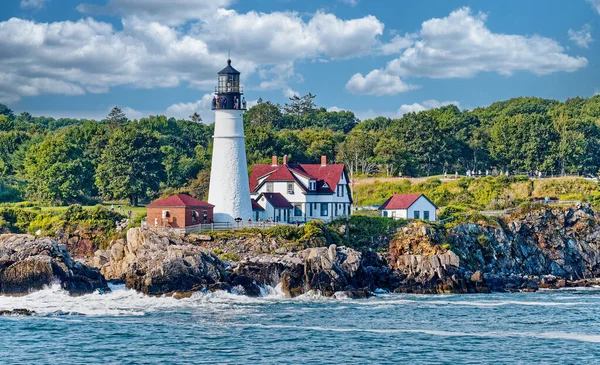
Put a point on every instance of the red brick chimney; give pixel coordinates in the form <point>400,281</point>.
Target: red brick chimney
<point>274,161</point>
<point>285,161</point>
<point>323,160</point>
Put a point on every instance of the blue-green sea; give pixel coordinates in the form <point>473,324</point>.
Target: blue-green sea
<point>124,327</point>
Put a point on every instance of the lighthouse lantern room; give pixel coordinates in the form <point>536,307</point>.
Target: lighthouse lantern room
<point>229,189</point>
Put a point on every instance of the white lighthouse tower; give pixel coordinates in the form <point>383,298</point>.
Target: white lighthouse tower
<point>229,189</point>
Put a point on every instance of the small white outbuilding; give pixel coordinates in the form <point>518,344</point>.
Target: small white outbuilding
<point>409,206</point>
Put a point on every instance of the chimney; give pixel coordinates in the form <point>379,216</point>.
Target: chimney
<point>285,161</point>
<point>323,160</point>
<point>274,161</point>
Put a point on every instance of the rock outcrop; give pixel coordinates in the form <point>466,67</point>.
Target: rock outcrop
<point>28,263</point>
<point>539,248</point>
<point>159,264</point>
<point>324,270</point>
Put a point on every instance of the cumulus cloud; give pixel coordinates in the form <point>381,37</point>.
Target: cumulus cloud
<point>426,105</point>
<point>595,5</point>
<point>92,56</point>
<point>184,110</point>
<point>582,37</point>
<point>377,82</point>
<point>166,12</point>
<point>32,4</point>
<point>461,46</point>
<point>398,44</point>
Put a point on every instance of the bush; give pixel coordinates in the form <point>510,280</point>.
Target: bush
<point>289,233</point>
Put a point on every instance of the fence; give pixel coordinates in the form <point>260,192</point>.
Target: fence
<point>216,227</point>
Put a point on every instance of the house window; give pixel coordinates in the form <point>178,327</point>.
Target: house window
<point>310,209</point>
<point>426,215</point>
<point>297,211</point>
<point>269,187</point>
<point>385,214</point>
<point>204,216</point>
<point>417,214</point>
<point>195,216</point>
<point>340,190</point>
<point>290,188</point>
<point>165,214</point>
<point>312,185</point>
<point>394,214</point>
<point>324,210</point>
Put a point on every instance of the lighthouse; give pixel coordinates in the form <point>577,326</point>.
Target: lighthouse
<point>229,189</point>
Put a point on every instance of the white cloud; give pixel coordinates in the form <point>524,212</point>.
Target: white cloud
<point>32,4</point>
<point>461,46</point>
<point>595,5</point>
<point>92,56</point>
<point>166,12</point>
<point>184,110</point>
<point>426,105</point>
<point>582,37</point>
<point>349,2</point>
<point>335,109</point>
<point>398,43</point>
<point>377,82</point>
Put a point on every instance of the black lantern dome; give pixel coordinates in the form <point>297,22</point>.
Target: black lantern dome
<point>228,91</point>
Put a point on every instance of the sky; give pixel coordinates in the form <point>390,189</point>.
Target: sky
<point>80,58</point>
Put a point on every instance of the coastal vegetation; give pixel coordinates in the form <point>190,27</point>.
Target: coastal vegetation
<point>66,161</point>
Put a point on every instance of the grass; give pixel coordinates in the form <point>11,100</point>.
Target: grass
<point>485,193</point>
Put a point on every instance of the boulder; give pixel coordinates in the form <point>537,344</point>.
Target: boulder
<point>28,263</point>
<point>161,264</point>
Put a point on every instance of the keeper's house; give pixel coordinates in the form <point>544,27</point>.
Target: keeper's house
<point>300,192</point>
<point>409,206</point>
<point>178,211</point>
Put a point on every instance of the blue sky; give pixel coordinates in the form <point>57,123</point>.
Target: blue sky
<point>81,57</point>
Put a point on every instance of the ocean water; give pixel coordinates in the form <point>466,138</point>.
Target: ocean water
<point>124,327</point>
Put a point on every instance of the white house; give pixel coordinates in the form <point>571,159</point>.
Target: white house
<point>409,206</point>
<point>300,192</point>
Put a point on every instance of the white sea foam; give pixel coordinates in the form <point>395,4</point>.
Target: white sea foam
<point>494,334</point>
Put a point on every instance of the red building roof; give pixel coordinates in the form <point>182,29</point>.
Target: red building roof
<point>276,200</point>
<point>328,174</point>
<point>256,206</point>
<point>400,201</point>
<point>179,200</point>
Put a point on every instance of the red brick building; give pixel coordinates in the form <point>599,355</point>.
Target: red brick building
<point>179,211</point>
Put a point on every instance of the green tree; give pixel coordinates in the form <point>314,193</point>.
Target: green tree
<point>57,172</point>
<point>5,123</point>
<point>4,110</point>
<point>130,166</point>
<point>116,117</point>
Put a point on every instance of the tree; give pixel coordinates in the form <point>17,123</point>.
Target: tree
<point>6,124</point>
<point>265,114</point>
<point>196,117</point>
<point>130,166</point>
<point>116,117</point>
<point>357,152</point>
<point>4,110</point>
<point>300,106</point>
<point>57,172</point>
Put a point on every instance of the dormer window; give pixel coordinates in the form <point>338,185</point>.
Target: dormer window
<point>312,185</point>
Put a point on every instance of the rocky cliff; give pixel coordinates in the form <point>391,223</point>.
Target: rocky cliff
<point>28,263</point>
<point>544,248</point>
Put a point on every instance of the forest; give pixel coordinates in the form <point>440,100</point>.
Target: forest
<point>65,161</point>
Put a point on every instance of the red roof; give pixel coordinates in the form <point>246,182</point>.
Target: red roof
<point>277,200</point>
<point>329,174</point>
<point>256,206</point>
<point>400,201</point>
<point>179,200</point>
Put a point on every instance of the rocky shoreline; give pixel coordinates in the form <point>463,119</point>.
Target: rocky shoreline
<point>546,249</point>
